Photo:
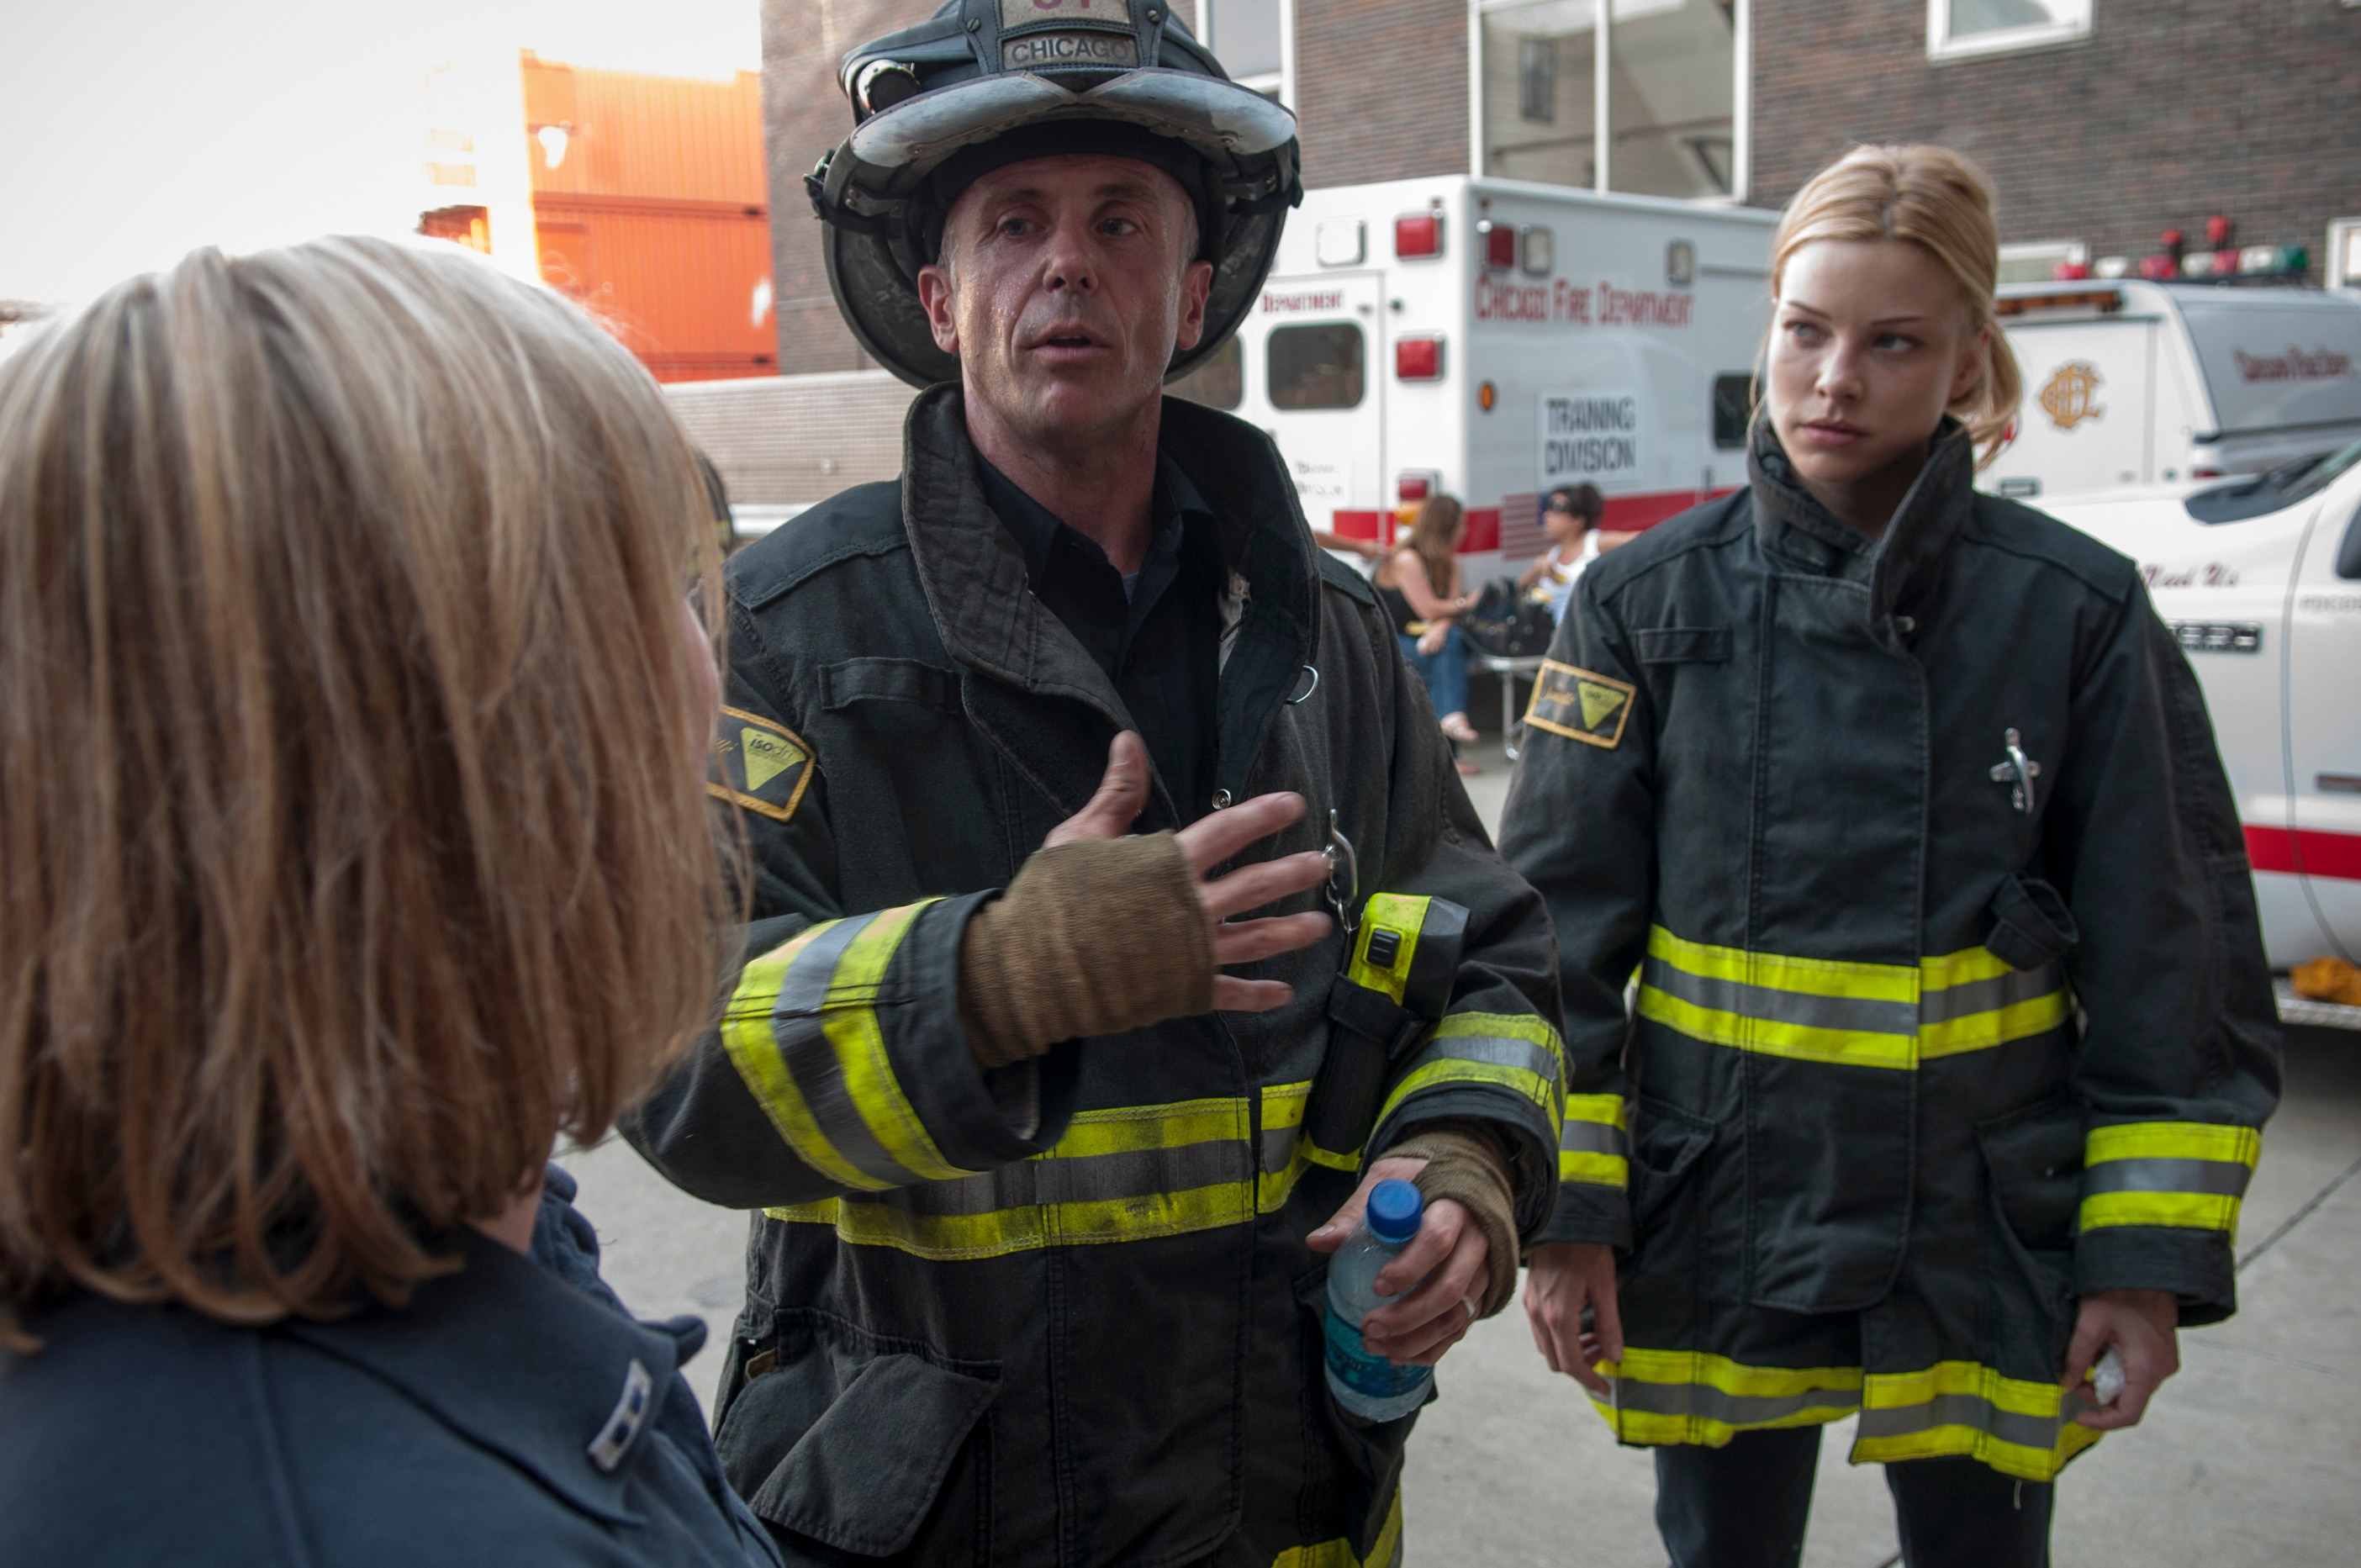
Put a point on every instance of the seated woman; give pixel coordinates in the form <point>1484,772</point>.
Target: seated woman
<point>1570,518</point>
<point>1421,585</point>
<point>353,791</point>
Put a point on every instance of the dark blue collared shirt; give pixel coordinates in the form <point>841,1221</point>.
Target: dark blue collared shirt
<point>1157,637</point>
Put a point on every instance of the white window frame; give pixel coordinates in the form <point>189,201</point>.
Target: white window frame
<point>1281,81</point>
<point>1942,46</point>
<point>1602,62</point>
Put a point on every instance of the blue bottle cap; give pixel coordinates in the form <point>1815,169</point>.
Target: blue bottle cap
<point>1394,1210</point>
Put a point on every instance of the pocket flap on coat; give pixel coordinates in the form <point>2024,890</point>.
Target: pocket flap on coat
<point>863,1475</point>
<point>1682,644</point>
<point>889,680</point>
<point>2031,923</point>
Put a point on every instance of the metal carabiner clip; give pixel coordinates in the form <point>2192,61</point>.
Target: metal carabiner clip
<point>2018,773</point>
<point>1343,876</point>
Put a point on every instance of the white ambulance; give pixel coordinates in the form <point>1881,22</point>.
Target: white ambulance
<point>1490,338</point>
<point>2133,383</point>
<point>2261,579</point>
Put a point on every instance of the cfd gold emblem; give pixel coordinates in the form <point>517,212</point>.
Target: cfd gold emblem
<point>2071,395</point>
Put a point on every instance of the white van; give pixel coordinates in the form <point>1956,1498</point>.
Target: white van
<point>2131,384</point>
<point>2261,580</point>
<point>1490,338</point>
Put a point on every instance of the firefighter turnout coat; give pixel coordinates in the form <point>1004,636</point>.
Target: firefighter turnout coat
<point>1949,1001</point>
<point>1063,1314</point>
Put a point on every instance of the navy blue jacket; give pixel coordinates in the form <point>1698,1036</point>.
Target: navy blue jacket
<point>512,1414</point>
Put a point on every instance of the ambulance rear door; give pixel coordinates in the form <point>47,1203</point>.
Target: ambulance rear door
<point>1314,357</point>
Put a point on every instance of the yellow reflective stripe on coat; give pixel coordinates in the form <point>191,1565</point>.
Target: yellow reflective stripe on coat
<point>2024,1429</point>
<point>1126,1174</point>
<point>1594,1146</point>
<point>1509,1050</point>
<point>1962,1408</point>
<point>1687,1396</point>
<point>1857,1014</point>
<point>802,1030</point>
<point>1384,1552</point>
<point>2188,1175</point>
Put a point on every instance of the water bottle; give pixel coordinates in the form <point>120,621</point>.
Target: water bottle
<point>1369,1386</point>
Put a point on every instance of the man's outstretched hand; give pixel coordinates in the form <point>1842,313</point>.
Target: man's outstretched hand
<point>1122,794</point>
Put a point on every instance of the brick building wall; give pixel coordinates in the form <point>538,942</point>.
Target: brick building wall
<point>2170,111</point>
<point>1382,89</point>
<point>804,116</point>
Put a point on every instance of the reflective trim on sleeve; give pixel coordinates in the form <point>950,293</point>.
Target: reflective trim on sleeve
<point>1962,1408</point>
<point>1510,1050</point>
<point>1117,1175</point>
<point>2187,1174</point>
<point>1854,1014</point>
<point>802,1030</point>
<point>1385,1552</point>
<point>1594,1146</point>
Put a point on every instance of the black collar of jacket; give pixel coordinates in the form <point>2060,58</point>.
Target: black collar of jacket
<point>518,1361</point>
<point>972,573</point>
<point>1900,564</point>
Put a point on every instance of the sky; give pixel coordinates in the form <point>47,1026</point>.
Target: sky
<point>133,131</point>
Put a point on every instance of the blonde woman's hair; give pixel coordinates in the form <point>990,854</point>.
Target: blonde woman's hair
<point>354,833</point>
<point>1935,199</point>
<point>1433,534</point>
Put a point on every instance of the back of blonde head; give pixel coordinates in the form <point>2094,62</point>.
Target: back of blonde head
<point>354,838</point>
<point>1931,197</point>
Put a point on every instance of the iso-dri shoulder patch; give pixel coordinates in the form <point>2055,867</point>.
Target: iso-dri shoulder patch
<point>1579,704</point>
<point>760,763</point>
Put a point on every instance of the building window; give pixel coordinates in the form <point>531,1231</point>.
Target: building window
<point>1647,103</point>
<point>1254,40</point>
<point>1958,27</point>
<point>1537,80</point>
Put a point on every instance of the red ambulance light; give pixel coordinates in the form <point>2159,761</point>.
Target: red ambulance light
<point>1418,359</point>
<point>1499,247</point>
<point>1412,487</point>
<point>1418,236</point>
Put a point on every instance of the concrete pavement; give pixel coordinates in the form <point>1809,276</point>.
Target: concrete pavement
<point>2249,1457</point>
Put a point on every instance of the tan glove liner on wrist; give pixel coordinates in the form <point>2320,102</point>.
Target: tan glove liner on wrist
<point>1467,1162</point>
<point>1092,938</point>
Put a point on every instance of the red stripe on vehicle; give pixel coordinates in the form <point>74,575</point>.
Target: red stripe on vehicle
<point>2307,850</point>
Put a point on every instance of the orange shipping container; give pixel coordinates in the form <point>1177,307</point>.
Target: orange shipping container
<point>650,203</point>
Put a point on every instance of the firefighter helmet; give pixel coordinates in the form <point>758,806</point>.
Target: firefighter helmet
<point>988,82</point>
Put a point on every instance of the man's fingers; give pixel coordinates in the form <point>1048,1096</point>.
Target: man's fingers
<point>1232,994</point>
<point>1265,882</point>
<point>1121,797</point>
<point>1249,941</point>
<point>1429,1320</point>
<point>1439,1230</point>
<point>1214,838</point>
